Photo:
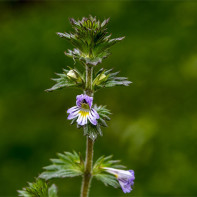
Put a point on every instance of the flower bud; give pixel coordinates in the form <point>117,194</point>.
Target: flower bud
<point>99,79</point>
<point>103,76</point>
<point>72,74</point>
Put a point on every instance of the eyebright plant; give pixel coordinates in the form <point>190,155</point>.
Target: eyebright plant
<point>92,44</point>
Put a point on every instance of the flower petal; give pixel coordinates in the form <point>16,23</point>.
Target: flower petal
<point>79,99</point>
<point>126,188</point>
<point>125,178</point>
<point>72,109</point>
<point>89,100</point>
<point>84,120</point>
<point>96,115</point>
<point>92,118</point>
<point>73,115</point>
<point>79,119</point>
<point>85,97</point>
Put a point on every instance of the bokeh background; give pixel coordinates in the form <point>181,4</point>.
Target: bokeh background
<point>153,129</point>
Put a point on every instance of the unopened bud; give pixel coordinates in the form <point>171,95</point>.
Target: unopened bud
<point>72,74</point>
<point>103,76</point>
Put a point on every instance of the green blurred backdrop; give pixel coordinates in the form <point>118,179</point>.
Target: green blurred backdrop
<point>153,129</point>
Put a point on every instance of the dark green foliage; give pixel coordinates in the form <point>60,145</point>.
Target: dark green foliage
<point>105,79</point>
<point>66,165</point>
<point>100,174</point>
<point>91,40</point>
<point>38,189</point>
<point>67,80</point>
<point>154,129</point>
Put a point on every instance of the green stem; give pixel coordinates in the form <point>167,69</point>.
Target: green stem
<point>88,89</point>
<point>87,177</point>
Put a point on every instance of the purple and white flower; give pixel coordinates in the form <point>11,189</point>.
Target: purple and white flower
<point>83,110</point>
<point>125,177</point>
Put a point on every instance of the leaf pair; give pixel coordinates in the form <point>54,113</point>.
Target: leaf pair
<point>72,164</point>
<point>102,79</point>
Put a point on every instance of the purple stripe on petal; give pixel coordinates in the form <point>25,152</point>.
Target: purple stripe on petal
<point>79,99</point>
<point>125,187</point>
<point>95,114</point>
<point>72,116</point>
<point>92,119</point>
<point>84,120</point>
<point>79,120</point>
<point>72,109</point>
<point>89,100</point>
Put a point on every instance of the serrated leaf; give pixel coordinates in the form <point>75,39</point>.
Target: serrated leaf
<point>111,80</point>
<point>65,80</point>
<point>38,189</point>
<point>100,174</point>
<point>66,165</point>
<point>90,40</point>
<point>105,162</point>
<point>107,180</point>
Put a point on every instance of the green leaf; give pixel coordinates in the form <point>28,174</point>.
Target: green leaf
<point>103,112</point>
<point>52,191</point>
<point>109,80</point>
<point>66,165</point>
<point>69,78</point>
<point>90,39</point>
<point>107,179</point>
<point>91,131</point>
<point>38,189</point>
<point>77,54</point>
<point>100,174</point>
<point>106,162</point>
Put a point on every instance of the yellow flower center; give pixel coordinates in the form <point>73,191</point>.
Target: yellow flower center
<point>84,113</point>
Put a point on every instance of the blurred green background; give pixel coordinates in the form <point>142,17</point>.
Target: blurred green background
<point>153,129</point>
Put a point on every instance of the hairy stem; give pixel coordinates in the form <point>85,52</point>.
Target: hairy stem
<point>88,89</point>
<point>87,177</point>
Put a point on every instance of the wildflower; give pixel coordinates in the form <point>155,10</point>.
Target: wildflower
<point>125,178</point>
<point>83,110</point>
